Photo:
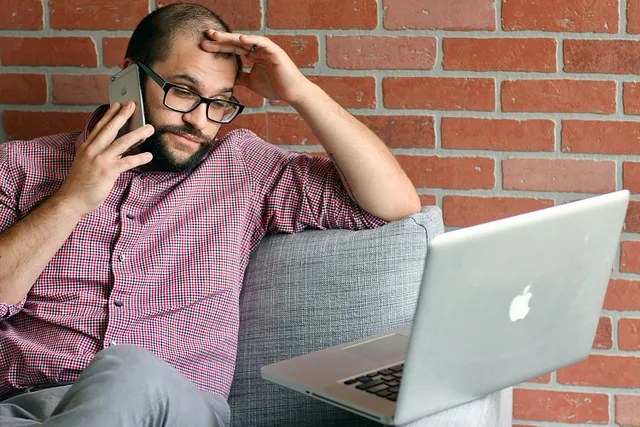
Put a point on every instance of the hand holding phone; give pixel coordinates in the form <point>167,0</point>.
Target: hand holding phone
<point>101,158</point>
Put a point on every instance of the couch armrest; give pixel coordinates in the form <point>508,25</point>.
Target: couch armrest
<point>315,289</point>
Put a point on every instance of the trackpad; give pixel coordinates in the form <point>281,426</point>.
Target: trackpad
<point>382,349</point>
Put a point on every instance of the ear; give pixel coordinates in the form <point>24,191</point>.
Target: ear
<point>127,62</point>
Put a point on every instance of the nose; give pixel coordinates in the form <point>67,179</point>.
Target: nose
<point>197,118</point>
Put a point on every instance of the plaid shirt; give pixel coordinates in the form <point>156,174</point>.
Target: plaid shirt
<point>160,264</point>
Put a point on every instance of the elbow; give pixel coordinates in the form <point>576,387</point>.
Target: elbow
<point>404,210</point>
<point>412,205</point>
<point>415,205</point>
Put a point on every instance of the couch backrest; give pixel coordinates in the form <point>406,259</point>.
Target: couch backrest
<point>308,291</point>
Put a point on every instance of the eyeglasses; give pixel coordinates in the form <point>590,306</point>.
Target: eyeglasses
<point>184,100</point>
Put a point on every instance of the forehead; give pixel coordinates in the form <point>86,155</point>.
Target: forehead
<point>186,58</point>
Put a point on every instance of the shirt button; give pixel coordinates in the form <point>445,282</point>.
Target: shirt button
<point>121,257</point>
<point>112,343</point>
<point>129,216</point>
<point>117,303</point>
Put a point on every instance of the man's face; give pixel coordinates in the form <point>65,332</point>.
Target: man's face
<point>181,140</point>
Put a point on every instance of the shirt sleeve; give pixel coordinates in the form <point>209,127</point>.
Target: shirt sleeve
<point>8,215</point>
<point>299,191</point>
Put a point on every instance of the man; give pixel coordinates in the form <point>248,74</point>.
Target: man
<point>120,270</point>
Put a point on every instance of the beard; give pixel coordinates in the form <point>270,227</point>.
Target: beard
<point>164,160</point>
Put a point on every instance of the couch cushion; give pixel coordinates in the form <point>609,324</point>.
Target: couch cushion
<point>308,291</point>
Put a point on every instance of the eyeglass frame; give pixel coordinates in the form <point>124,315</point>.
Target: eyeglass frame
<point>166,86</point>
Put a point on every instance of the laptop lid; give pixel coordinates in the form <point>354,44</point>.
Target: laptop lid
<point>508,301</point>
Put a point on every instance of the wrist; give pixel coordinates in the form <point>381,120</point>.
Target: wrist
<point>69,206</point>
<point>306,94</point>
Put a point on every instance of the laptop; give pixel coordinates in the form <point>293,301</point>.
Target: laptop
<point>499,303</point>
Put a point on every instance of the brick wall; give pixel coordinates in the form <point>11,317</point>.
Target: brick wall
<point>493,107</point>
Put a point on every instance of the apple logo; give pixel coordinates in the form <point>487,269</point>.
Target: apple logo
<point>520,306</point>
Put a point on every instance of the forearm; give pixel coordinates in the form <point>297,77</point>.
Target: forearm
<point>368,170</point>
<point>27,247</point>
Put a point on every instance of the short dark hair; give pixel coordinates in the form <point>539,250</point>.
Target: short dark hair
<point>152,39</point>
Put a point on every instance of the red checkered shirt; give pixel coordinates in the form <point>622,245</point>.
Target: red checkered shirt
<point>161,263</point>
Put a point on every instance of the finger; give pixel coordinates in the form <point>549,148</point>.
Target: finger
<point>246,41</point>
<point>111,128</point>
<point>217,47</point>
<point>108,115</point>
<point>130,162</point>
<point>125,142</point>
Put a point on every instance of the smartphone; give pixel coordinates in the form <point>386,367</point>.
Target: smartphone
<point>125,86</point>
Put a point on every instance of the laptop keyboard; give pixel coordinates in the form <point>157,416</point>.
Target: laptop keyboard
<point>384,383</point>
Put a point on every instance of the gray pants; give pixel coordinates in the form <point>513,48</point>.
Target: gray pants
<point>123,386</point>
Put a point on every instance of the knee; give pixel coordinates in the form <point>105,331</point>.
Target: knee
<point>130,364</point>
<point>128,357</point>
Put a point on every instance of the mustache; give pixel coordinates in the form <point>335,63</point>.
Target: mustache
<point>185,129</point>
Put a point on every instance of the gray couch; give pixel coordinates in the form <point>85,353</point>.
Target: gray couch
<point>312,290</point>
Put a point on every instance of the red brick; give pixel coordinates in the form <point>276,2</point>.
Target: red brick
<point>386,53</point>
<point>285,128</point>
<point>465,211</point>
<point>238,14</point>
<point>604,334</point>
<point>402,131</point>
<point>579,176</point>
<point>428,200</point>
<point>629,334</point>
<point>633,16</point>
<point>632,222</point>
<point>80,89</point>
<point>349,92</point>
<point>92,15</point>
<point>559,96</point>
<point>492,54</point>
<point>631,98</point>
<point>601,56</point>
<point>303,50</point>
<point>113,51</point>
<point>439,93</point>
<point>561,15</point>
<point>463,173</point>
<point>72,51</point>
<point>560,406</point>
<point>630,257</point>
<point>322,14</point>
<point>498,134</point>
<point>601,137</point>
<point>254,122</point>
<point>247,97</point>
<point>23,89</point>
<point>627,411</point>
<point>603,371</point>
<point>545,379</point>
<point>623,295</point>
<point>631,177</point>
<point>21,15</point>
<point>31,124</point>
<point>395,131</point>
<point>464,15</point>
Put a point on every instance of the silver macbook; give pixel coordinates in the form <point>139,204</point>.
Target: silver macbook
<point>500,303</point>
